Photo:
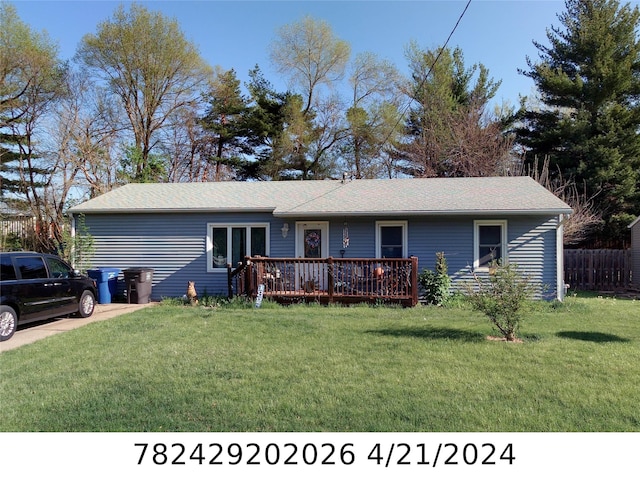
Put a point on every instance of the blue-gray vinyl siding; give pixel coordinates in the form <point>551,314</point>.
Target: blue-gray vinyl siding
<point>174,245</point>
<point>531,246</point>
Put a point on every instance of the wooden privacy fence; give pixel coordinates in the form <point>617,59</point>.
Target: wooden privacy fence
<point>597,269</point>
<point>17,232</point>
<point>21,226</point>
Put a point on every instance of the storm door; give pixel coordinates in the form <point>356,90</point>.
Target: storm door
<point>312,242</point>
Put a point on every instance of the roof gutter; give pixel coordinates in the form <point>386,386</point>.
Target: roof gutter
<point>104,211</point>
<point>397,213</point>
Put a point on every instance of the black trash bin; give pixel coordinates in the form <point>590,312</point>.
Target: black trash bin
<point>138,284</point>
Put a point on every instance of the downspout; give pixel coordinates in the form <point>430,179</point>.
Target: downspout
<point>561,288</point>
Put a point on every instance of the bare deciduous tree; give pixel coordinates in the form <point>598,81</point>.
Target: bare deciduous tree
<point>585,217</point>
<point>448,132</point>
<point>478,147</point>
<point>182,143</point>
<point>85,135</point>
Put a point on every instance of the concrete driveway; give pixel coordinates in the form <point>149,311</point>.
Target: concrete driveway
<point>32,332</point>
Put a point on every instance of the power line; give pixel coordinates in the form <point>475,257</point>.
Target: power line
<point>433,64</point>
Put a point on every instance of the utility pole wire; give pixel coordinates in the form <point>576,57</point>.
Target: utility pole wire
<point>411,100</point>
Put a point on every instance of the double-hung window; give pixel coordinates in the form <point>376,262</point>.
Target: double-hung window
<point>490,243</point>
<point>231,243</point>
<point>391,239</point>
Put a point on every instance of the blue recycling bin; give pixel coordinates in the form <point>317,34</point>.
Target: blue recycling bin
<point>106,281</point>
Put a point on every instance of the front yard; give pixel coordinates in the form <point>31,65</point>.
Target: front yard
<point>311,368</point>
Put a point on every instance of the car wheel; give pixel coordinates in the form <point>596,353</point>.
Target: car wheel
<point>8,322</point>
<point>87,304</point>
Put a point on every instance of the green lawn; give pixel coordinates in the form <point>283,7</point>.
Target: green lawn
<point>181,368</point>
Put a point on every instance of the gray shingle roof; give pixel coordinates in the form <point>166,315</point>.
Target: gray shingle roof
<point>495,195</point>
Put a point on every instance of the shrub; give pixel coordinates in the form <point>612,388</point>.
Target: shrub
<point>502,297</point>
<point>436,284</point>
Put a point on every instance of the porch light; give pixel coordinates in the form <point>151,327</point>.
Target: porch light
<point>285,230</point>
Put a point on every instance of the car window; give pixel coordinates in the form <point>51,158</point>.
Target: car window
<point>31,267</point>
<point>58,269</point>
<point>6,269</point>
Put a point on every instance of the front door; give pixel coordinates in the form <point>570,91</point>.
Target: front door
<point>312,242</point>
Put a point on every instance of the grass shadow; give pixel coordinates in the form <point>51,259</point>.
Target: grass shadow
<point>597,337</point>
<point>431,333</point>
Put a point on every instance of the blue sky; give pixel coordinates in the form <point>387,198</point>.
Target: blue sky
<point>236,34</point>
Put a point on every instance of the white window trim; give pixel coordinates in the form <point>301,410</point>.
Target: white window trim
<point>476,242</point>
<point>391,223</point>
<point>229,226</point>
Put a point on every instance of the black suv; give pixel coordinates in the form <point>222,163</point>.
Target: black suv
<point>36,286</point>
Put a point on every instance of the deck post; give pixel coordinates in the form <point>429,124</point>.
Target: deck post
<point>414,281</point>
<point>330,278</point>
<point>229,282</point>
<point>248,272</point>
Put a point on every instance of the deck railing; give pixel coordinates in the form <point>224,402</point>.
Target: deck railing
<point>328,280</point>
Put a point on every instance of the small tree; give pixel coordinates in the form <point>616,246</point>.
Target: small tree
<point>77,249</point>
<point>502,297</point>
<point>436,284</point>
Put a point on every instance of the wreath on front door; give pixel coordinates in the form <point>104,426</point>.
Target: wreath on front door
<point>313,240</point>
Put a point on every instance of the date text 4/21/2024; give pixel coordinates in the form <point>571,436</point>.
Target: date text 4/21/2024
<point>323,454</point>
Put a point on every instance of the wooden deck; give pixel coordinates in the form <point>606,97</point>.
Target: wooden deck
<point>327,280</point>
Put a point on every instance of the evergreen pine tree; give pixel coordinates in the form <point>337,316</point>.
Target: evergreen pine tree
<point>588,79</point>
